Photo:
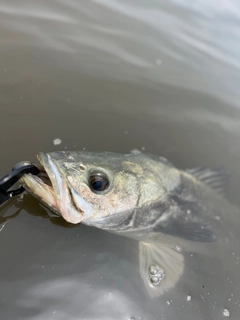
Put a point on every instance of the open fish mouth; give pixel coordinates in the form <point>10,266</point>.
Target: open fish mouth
<point>53,189</point>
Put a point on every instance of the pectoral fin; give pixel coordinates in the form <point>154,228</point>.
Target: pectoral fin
<point>160,268</point>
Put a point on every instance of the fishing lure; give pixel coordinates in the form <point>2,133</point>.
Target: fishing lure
<point>10,179</point>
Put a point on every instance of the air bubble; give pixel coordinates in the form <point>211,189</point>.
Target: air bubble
<point>189,298</point>
<point>179,249</point>
<point>57,141</point>
<point>156,274</point>
<point>155,279</point>
<point>153,270</point>
<point>226,313</point>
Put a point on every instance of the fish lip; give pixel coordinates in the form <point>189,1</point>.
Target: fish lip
<point>61,189</point>
<point>36,185</point>
<point>58,193</point>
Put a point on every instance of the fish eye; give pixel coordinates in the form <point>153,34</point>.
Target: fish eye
<point>98,181</point>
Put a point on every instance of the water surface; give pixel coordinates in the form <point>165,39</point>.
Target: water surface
<point>115,75</point>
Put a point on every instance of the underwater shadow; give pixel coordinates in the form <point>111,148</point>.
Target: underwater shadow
<point>12,208</point>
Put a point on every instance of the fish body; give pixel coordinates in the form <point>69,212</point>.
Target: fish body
<point>140,196</point>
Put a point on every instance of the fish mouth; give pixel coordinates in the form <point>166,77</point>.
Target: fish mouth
<point>52,189</point>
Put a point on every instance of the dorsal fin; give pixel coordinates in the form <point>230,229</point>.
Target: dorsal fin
<point>217,178</point>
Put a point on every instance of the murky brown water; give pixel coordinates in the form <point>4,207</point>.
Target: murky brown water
<point>114,75</point>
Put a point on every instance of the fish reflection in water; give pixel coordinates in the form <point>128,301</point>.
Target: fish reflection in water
<point>143,197</point>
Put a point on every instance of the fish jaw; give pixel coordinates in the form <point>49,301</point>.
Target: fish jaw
<point>53,190</point>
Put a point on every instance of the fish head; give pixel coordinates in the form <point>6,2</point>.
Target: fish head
<point>99,189</point>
